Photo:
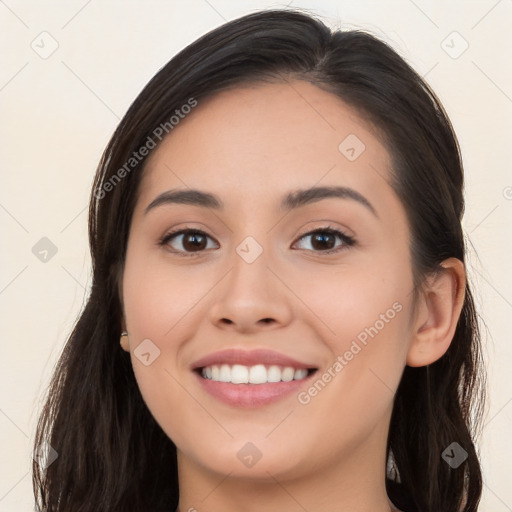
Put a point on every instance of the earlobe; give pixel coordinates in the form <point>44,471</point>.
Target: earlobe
<point>440,306</point>
<point>124,342</point>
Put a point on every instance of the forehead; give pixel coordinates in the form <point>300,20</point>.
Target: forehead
<point>261,140</point>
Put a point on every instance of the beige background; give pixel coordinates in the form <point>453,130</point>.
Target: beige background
<point>59,110</point>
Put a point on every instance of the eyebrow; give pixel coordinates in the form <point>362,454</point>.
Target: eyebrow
<point>292,200</point>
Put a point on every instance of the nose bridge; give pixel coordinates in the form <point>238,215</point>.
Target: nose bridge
<point>250,295</point>
<point>249,275</point>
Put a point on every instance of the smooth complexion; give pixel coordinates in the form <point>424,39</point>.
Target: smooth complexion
<point>250,147</point>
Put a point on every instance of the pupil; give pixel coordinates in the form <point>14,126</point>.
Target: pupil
<point>197,241</point>
<point>322,239</point>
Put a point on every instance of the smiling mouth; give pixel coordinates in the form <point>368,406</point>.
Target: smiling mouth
<point>256,374</point>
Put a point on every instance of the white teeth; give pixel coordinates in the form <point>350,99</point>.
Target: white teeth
<point>274,374</point>
<point>300,374</point>
<point>225,373</point>
<point>258,374</point>
<point>239,374</point>
<point>287,374</point>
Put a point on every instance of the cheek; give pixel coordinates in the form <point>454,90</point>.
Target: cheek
<point>355,392</point>
<point>156,295</point>
<point>160,306</point>
<point>357,302</point>
<point>366,318</point>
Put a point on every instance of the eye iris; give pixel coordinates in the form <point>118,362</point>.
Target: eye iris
<point>319,241</point>
<point>197,241</point>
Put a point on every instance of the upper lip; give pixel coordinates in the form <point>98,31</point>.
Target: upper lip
<point>249,358</point>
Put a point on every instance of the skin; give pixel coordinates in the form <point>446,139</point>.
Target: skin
<point>251,146</point>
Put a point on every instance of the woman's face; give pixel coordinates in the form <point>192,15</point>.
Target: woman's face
<point>263,274</point>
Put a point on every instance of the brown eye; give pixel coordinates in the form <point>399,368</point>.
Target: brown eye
<point>324,240</point>
<point>187,241</point>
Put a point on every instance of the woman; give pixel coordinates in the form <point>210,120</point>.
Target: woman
<point>275,230</point>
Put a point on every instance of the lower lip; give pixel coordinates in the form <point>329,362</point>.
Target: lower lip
<point>251,395</point>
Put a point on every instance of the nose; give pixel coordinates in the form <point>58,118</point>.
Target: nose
<point>251,298</point>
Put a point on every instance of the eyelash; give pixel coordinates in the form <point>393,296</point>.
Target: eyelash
<point>347,240</point>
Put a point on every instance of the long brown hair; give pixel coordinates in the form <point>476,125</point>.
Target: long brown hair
<point>112,455</point>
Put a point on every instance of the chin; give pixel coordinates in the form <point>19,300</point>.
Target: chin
<point>249,460</point>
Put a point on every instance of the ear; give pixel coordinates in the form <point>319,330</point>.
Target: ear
<point>439,307</point>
